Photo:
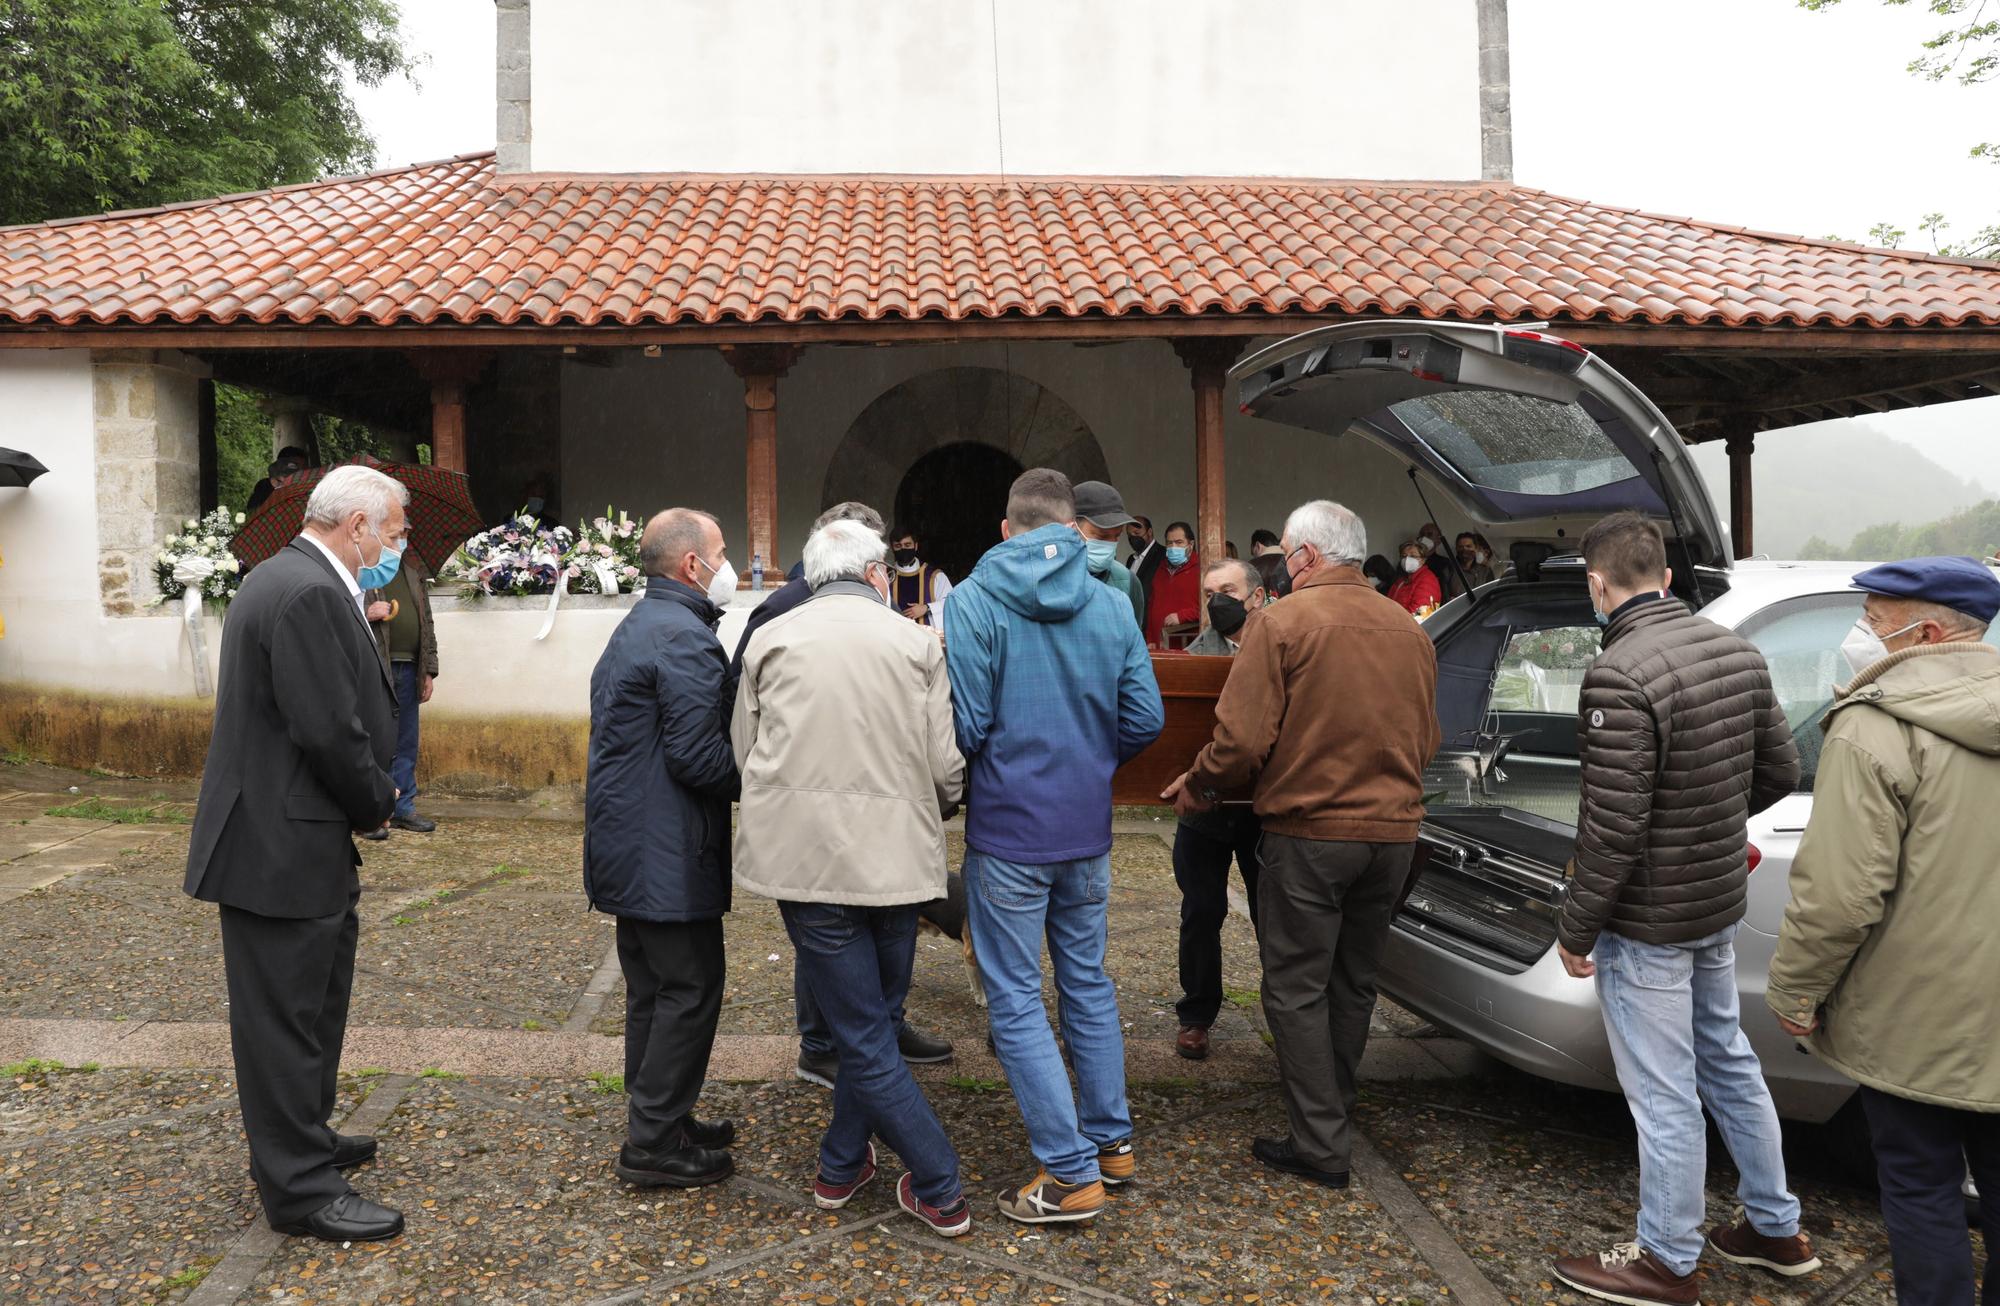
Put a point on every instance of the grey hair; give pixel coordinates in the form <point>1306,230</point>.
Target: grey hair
<point>670,536</point>
<point>1332,529</point>
<point>842,550</point>
<point>1251,576</point>
<point>1962,624</point>
<point>347,490</point>
<point>852,510</point>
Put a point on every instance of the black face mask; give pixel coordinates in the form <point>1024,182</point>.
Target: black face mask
<point>1226,613</point>
<point>904,557</point>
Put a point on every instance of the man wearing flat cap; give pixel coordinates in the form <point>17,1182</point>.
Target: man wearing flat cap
<point>1887,963</point>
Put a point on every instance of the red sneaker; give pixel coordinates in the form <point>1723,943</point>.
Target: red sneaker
<point>949,1221</point>
<point>830,1196</point>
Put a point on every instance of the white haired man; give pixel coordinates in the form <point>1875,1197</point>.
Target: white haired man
<point>1338,785</point>
<point>305,732</point>
<point>843,733</point>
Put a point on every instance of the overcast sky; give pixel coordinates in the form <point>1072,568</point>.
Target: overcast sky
<point>1751,112</point>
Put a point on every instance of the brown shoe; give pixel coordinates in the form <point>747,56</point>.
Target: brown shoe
<point>1741,1243</point>
<point>1193,1042</point>
<point>1629,1273</point>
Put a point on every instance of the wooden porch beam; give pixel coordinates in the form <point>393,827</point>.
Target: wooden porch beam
<point>1742,445</point>
<point>1208,363</point>
<point>761,366</point>
<point>449,372</point>
<point>1849,380</point>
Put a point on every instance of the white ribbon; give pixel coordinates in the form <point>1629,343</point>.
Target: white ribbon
<point>193,572</point>
<point>607,578</point>
<point>562,588</point>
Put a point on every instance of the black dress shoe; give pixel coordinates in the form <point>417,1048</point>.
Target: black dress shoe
<point>377,835</point>
<point>920,1049</point>
<point>413,823</point>
<point>348,1218</point>
<point>1279,1154</point>
<point>687,1167</point>
<point>351,1150</point>
<point>708,1133</point>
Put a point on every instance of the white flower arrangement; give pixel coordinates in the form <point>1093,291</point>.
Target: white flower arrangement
<point>605,557</point>
<point>198,557</point>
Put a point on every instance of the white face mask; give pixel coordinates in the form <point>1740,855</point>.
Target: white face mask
<point>1863,648</point>
<point>721,585</point>
<point>1480,557</point>
<point>1426,543</point>
<point>1410,565</point>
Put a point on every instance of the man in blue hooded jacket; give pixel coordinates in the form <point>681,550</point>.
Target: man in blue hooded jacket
<point>1052,689</point>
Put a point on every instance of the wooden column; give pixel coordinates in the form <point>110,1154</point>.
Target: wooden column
<point>1742,444</point>
<point>761,366</point>
<point>450,372</point>
<point>1208,363</point>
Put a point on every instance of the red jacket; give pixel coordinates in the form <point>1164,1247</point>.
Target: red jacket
<point>1416,592</point>
<point>1173,592</point>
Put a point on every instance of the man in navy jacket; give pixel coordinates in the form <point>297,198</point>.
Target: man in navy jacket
<point>656,841</point>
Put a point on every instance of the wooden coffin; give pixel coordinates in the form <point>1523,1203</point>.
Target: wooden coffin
<point>1189,687</point>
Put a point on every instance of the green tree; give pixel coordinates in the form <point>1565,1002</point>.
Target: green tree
<point>1967,50</point>
<point>1974,532</point>
<point>110,104</point>
<point>242,445</point>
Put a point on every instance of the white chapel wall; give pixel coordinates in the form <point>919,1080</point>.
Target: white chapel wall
<point>1327,88</point>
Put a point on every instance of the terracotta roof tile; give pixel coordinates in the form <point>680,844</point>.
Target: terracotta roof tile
<point>449,242</point>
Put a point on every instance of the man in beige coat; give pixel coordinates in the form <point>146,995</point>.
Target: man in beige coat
<point>1886,961</point>
<point>843,732</point>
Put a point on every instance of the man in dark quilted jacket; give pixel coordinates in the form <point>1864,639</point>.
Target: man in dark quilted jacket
<point>1682,741</point>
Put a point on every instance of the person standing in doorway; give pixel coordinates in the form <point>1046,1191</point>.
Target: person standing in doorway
<point>656,842</point>
<point>1173,599</point>
<point>920,588</point>
<point>1886,963</point>
<point>399,609</point>
<point>1204,842</point>
<point>305,731</point>
<point>1100,516</point>
<point>1051,691</point>
<point>1330,713</point>
<point>1681,742</point>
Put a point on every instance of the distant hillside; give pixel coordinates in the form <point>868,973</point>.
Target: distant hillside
<point>1835,481</point>
<point>1972,533</point>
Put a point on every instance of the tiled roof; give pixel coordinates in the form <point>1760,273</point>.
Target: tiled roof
<point>450,243</point>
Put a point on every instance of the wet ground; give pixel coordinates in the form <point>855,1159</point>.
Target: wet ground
<point>485,999</point>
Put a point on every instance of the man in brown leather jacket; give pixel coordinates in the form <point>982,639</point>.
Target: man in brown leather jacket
<point>1682,741</point>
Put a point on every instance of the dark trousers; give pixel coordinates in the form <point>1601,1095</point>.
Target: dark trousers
<point>1921,1153</point>
<point>289,982</point>
<point>403,771</point>
<point>1201,868</point>
<point>856,961</point>
<point>1323,912</point>
<point>673,997</point>
<point>815,1037</point>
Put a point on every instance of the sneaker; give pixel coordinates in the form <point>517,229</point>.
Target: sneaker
<point>1630,1274</point>
<point>920,1049</point>
<point>830,1196</point>
<point>947,1221</point>
<point>1048,1200</point>
<point>1116,1165</point>
<point>820,1068</point>
<point>1742,1244</point>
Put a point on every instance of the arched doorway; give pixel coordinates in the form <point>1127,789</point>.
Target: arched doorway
<point>942,448</point>
<point>954,498</point>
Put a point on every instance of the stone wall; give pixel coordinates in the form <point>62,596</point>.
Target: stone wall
<point>148,465</point>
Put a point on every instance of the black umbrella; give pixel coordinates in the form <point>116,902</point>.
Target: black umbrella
<point>17,468</point>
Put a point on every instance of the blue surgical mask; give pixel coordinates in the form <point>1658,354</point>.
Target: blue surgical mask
<point>1176,555</point>
<point>384,571</point>
<point>1099,554</point>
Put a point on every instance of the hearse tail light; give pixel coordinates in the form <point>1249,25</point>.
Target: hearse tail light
<point>1540,349</point>
<point>1756,856</point>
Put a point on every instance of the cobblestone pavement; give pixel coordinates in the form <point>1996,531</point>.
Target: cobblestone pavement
<point>485,990</point>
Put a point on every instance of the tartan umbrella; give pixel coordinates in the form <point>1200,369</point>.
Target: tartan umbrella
<point>441,513</point>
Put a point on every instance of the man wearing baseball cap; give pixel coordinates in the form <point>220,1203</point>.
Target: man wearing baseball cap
<point>1101,518</point>
<point>1886,963</point>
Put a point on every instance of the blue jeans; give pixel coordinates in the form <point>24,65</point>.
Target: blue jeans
<point>1010,908</point>
<point>815,1038</point>
<point>857,961</point>
<point>403,771</point>
<point>1671,1011</point>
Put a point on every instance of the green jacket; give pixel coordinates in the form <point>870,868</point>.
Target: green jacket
<point>1121,579</point>
<point>1895,891</point>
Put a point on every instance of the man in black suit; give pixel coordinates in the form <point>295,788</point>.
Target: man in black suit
<point>1146,554</point>
<point>305,731</point>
